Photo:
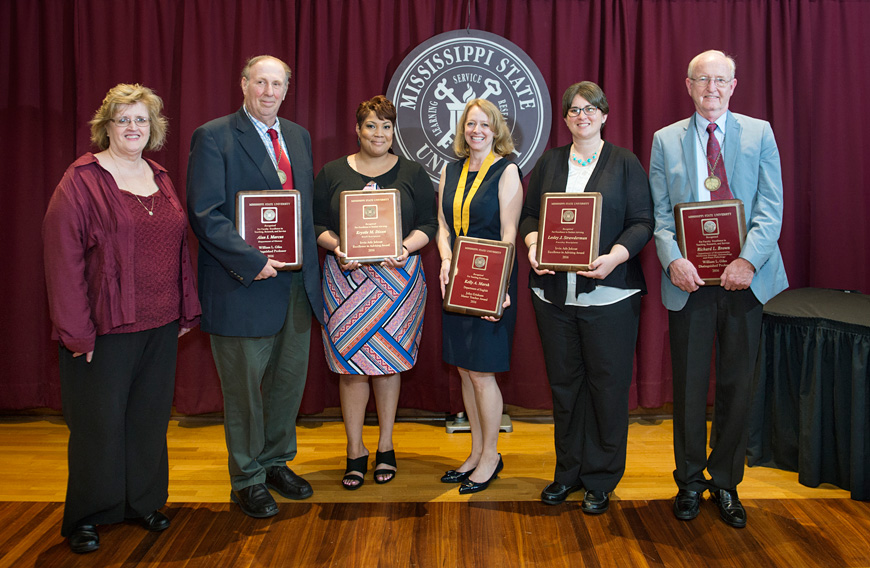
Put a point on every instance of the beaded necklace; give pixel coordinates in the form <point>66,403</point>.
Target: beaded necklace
<point>586,162</point>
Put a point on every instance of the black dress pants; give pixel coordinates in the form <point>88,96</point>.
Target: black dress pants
<point>117,408</point>
<point>730,322</point>
<point>589,353</point>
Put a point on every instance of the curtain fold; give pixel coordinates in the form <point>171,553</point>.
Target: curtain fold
<point>800,65</point>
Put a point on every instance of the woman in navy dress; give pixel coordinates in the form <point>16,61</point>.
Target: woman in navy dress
<point>479,196</point>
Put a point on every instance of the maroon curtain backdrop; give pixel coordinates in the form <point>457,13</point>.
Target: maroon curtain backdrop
<point>801,65</point>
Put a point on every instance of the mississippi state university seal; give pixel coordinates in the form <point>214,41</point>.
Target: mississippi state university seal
<point>433,83</point>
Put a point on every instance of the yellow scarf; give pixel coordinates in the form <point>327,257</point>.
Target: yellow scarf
<point>460,210</point>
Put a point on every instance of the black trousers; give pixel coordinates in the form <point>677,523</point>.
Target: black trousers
<point>730,322</point>
<point>117,408</point>
<point>589,353</point>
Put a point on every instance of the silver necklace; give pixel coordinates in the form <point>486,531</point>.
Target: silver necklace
<point>127,183</point>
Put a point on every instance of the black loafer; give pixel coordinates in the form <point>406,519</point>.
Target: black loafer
<point>255,501</point>
<point>595,502</point>
<point>155,521</point>
<point>84,538</point>
<point>453,476</point>
<point>556,493</point>
<point>687,504</point>
<point>730,509</point>
<point>288,484</point>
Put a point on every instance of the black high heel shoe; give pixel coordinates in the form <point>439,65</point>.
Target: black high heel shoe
<point>352,481</point>
<point>469,486</point>
<point>453,476</point>
<point>385,475</point>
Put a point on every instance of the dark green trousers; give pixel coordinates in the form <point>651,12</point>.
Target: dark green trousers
<point>262,380</point>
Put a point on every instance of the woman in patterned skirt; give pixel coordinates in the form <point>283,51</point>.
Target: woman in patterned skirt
<point>374,312</point>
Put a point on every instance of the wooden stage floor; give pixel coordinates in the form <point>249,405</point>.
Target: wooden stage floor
<point>418,521</point>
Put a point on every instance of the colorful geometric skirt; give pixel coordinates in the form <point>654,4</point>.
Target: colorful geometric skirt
<point>374,317</point>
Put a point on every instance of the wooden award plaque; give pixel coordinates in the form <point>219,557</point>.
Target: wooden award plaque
<point>479,275</point>
<point>371,225</point>
<point>568,231</point>
<point>710,234</point>
<point>270,220</point>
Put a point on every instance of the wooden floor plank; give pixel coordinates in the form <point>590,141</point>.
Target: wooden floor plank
<point>450,534</point>
<point>417,521</point>
<point>198,468</point>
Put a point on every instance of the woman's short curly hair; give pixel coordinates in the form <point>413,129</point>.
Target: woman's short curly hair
<point>380,105</point>
<point>122,95</point>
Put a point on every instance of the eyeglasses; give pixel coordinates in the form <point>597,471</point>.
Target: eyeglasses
<point>588,110</point>
<point>125,121</point>
<point>703,80</point>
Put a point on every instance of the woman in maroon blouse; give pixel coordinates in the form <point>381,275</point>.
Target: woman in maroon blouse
<point>120,291</point>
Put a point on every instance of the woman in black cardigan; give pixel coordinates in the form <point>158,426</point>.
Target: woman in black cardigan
<point>588,321</point>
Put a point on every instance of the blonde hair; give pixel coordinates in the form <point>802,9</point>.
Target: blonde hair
<point>502,144</point>
<point>124,94</point>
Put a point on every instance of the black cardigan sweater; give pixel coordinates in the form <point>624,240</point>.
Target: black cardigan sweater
<point>626,215</point>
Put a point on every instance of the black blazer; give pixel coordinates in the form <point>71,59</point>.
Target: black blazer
<point>228,156</point>
<point>626,215</point>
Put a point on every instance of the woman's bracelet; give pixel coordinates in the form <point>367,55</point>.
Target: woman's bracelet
<point>443,260</point>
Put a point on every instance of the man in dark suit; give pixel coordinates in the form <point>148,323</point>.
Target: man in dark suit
<point>259,318</point>
<point>686,166</point>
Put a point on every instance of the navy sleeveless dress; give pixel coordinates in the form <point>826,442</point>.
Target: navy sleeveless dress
<point>469,341</point>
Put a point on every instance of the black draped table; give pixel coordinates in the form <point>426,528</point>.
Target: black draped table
<point>811,408</point>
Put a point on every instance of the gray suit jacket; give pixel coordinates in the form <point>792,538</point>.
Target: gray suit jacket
<point>228,156</point>
<point>754,176</point>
